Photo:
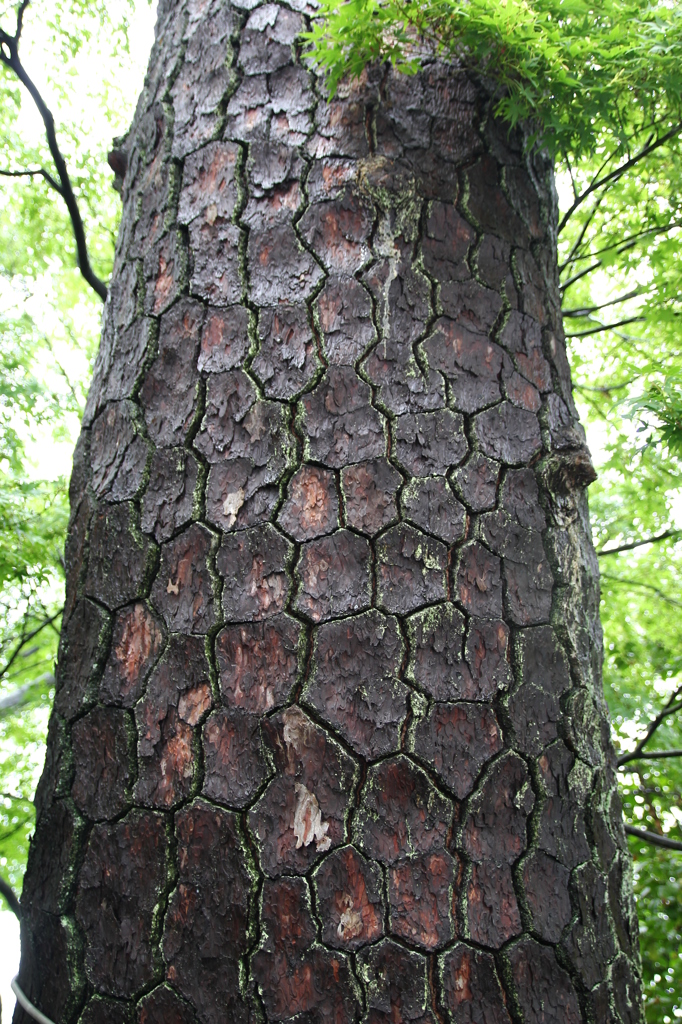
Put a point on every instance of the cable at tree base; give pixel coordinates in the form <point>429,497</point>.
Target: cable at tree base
<point>329,741</point>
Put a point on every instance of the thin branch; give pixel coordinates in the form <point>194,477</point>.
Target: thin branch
<point>26,638</point>
<point>9,55</point>
<point>605,389</point>
<point>653,838</point>
<point>581,273</point>
<point>618,172</point>
<point>607,327</point>
<point>7,891</point>
<point>643,586</point>
<point>40,172</point>
<point>672,706</point>
<point>570,174</point>
<point>20,19</point>
<point>586,310</point>
<point>625,243</point>
<point>651,755</point>
<point>639,543</point>
<point>583,231</point>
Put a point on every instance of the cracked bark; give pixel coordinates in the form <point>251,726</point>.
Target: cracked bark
<point>329,741</point>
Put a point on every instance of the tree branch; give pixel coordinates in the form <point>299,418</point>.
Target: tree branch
<point>9,55</point>
<point>581,236</point>
<point>7,891</point>
<point>605,389</point>
<point>653,838</point>
<point>623,244</point>
<point>671,707</point>
<point>26,638</point>
<point>586,310</point>
<point>639,543</point>
<point>643,586</point>
<point>651,755</point>
<point>618,172</point>
<point>32,174</point>
<point>607,327</point>
<point>581,273</point>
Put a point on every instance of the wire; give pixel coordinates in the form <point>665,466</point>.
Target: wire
<point>27,1005</point>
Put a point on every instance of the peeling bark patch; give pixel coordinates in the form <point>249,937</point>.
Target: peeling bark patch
<point>312,507</point>
<point>183,589</point>
<point>307,824</point>
<point>178,696</point>
<point>292,829</point>
<point>258,663</point>
<point>349,893</point>
<point>472,988</point>
<point>422,895</point>
<point>135,645</point>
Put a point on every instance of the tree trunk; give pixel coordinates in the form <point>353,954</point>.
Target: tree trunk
<point>329,742</point>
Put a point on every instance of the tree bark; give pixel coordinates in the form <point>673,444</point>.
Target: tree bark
<point>329,742</point>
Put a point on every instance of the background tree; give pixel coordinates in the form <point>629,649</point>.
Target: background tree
<point>656,665</point>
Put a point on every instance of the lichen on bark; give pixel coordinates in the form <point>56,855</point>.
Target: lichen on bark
<point>329,742</point>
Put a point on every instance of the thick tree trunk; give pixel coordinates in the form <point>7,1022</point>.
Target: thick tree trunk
<point>329,742</point>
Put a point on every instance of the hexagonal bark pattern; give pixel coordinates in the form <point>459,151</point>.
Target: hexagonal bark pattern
<point>328,744</point>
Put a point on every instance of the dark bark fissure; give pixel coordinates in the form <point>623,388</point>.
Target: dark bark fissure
<point>329,742</point>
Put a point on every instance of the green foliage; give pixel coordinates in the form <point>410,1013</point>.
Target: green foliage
<point>626,359</point>
<point>574,68</point>
<point>603,85</point>
<point>664,400</point>
<point>77,52</point>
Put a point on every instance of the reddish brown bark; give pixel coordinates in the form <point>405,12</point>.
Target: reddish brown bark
<point>329,743</point>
